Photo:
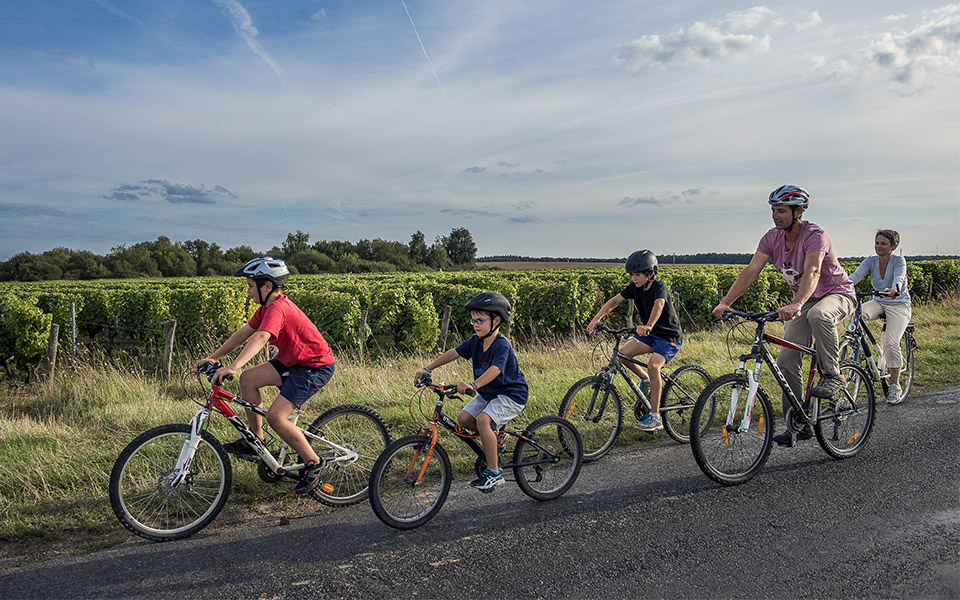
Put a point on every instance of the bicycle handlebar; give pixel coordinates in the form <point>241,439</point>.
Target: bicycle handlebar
<point>751,316</point>
<point>209,369</point>
<point>623,331</point>
<point>450,391</point>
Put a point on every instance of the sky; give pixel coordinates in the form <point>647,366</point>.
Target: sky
<point>567,129</point>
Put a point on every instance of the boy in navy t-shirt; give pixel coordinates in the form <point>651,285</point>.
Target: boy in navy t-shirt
<point>659,335</point>
<point>501,389</point>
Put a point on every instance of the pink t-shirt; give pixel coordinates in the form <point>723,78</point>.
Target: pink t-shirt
<point>294,339</point>
<point>833,279</point>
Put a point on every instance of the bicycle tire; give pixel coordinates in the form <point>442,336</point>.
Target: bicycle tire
<point>908,348</point>
<point>360,429</point>
<point>140,488</point>
<point>846,420</point>
<point>393,496</point>
<point>552,439</point>
<point>725,454</point>
<point>682,388</point>
<point>598,434</point>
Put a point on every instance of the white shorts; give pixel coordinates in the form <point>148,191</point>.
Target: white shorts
<point>501,409</point>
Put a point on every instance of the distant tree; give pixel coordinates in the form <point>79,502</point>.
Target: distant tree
<point>417,248</point>
<point>84,264</point>
<point>460,247</point>
<point>172,260</point>
<point>135,261</point>
<point>437,255</point>
<point>238,256</point>
<point>311,261</point>
<point>334,249</point>
<point>295,243</point>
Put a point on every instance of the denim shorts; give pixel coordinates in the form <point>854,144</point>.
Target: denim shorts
<point>664,348</point>
<point>300,382</point>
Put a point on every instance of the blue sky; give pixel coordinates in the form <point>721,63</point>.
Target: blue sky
<point>545,128</point>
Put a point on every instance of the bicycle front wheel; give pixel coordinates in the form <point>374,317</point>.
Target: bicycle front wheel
<point>148,499</point>
<point>729,443</point>
<point>907,349</point>
<point>548,456</point>
<point>846,420</point>
<point>593,406</point>
<point>359,429</point>
<point>680,392</point>
<point>408,486</point>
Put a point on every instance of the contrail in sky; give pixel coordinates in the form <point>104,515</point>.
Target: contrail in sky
<point>243,24</point>
<point>412,24</point>
<point>124,15</point>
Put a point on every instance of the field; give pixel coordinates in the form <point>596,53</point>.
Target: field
<point>526,265</point>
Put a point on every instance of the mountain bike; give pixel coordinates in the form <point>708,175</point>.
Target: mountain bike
<point>595,406</point>
<point>173,480</point>
<point>733,448</point>
<point>856,347</point>
<point>411,478</point>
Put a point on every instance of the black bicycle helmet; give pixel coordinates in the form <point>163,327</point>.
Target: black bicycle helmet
<point>490,302</point>
<point>641,260</point>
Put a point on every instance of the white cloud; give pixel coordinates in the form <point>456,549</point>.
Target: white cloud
<point>703,43</point>
<point>912,60</point>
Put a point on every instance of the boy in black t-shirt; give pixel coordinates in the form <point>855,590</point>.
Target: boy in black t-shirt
<point>660,335</point>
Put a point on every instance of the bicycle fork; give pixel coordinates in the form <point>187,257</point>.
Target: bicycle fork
<point>189,449</point>
<point>753,385</point>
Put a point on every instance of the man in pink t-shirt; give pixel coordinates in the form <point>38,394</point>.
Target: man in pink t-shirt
<point>823,295</point>
<point>302,363</point>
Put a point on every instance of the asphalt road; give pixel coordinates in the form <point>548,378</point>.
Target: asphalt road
<point>642,522</point>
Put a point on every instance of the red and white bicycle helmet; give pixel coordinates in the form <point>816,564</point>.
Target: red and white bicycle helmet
<point>789,195</point>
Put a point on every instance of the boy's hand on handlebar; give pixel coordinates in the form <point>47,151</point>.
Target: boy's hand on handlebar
<point>223,373</point>
<point>592,327</point>
<point>466,388</point>
<point>422,377</point>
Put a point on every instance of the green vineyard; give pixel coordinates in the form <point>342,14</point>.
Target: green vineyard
<point>393,312</point>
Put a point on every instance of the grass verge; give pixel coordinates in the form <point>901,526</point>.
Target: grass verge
<point>59,439</point>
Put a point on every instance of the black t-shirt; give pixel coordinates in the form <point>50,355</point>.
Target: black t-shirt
<point>668,325</point>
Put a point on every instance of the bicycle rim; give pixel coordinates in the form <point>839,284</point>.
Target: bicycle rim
<point>724,449</point>
<point>361,430</point>
<point>907,350</point>
<point>682,390</point>
<point>582,406</point>
<point>846,419</point>
<point>548,456</point>
<point>403,492</point>
<point>147,500</point>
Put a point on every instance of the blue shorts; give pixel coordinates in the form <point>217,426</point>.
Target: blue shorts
<point>300,382</point>
<point>664,348</point>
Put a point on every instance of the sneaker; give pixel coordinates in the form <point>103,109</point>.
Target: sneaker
<point>240,448</point>
<point>829,385</point>
<point>310,479</point>
<point>894,395</point>
<point>785,439</point>
<point>488,480</point>
<point>645,386</point>
<point>649,422</point>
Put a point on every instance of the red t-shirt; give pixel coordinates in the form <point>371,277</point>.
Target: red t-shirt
<point>294,339</point>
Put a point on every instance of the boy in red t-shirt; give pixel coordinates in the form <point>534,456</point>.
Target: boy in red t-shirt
<point>302,363</point>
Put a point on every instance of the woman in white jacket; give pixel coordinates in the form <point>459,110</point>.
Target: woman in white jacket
<point>888,274</point>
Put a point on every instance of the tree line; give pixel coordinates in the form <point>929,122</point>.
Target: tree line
<point>164,258</point>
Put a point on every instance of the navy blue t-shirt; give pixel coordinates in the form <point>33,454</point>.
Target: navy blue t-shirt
<point>667,326</point>
<point>510,382</point>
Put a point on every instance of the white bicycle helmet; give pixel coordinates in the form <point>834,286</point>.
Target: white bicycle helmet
<point>789,195</point>
<point>265,268</point>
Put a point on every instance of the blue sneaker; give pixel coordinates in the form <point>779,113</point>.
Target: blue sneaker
<point>645,386</point>
<point>649,422</point>
<point>488,480</point>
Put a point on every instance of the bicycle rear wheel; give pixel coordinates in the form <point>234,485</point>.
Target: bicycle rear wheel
<point>908,348</point>
<point>548,456</point>
<point>846,419</point>
<point>727,449</point>
<point>680,393</point>
<point>360,429</point>
<point>147,499</point>
<point>397,497</point>
<point>593,406</point>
